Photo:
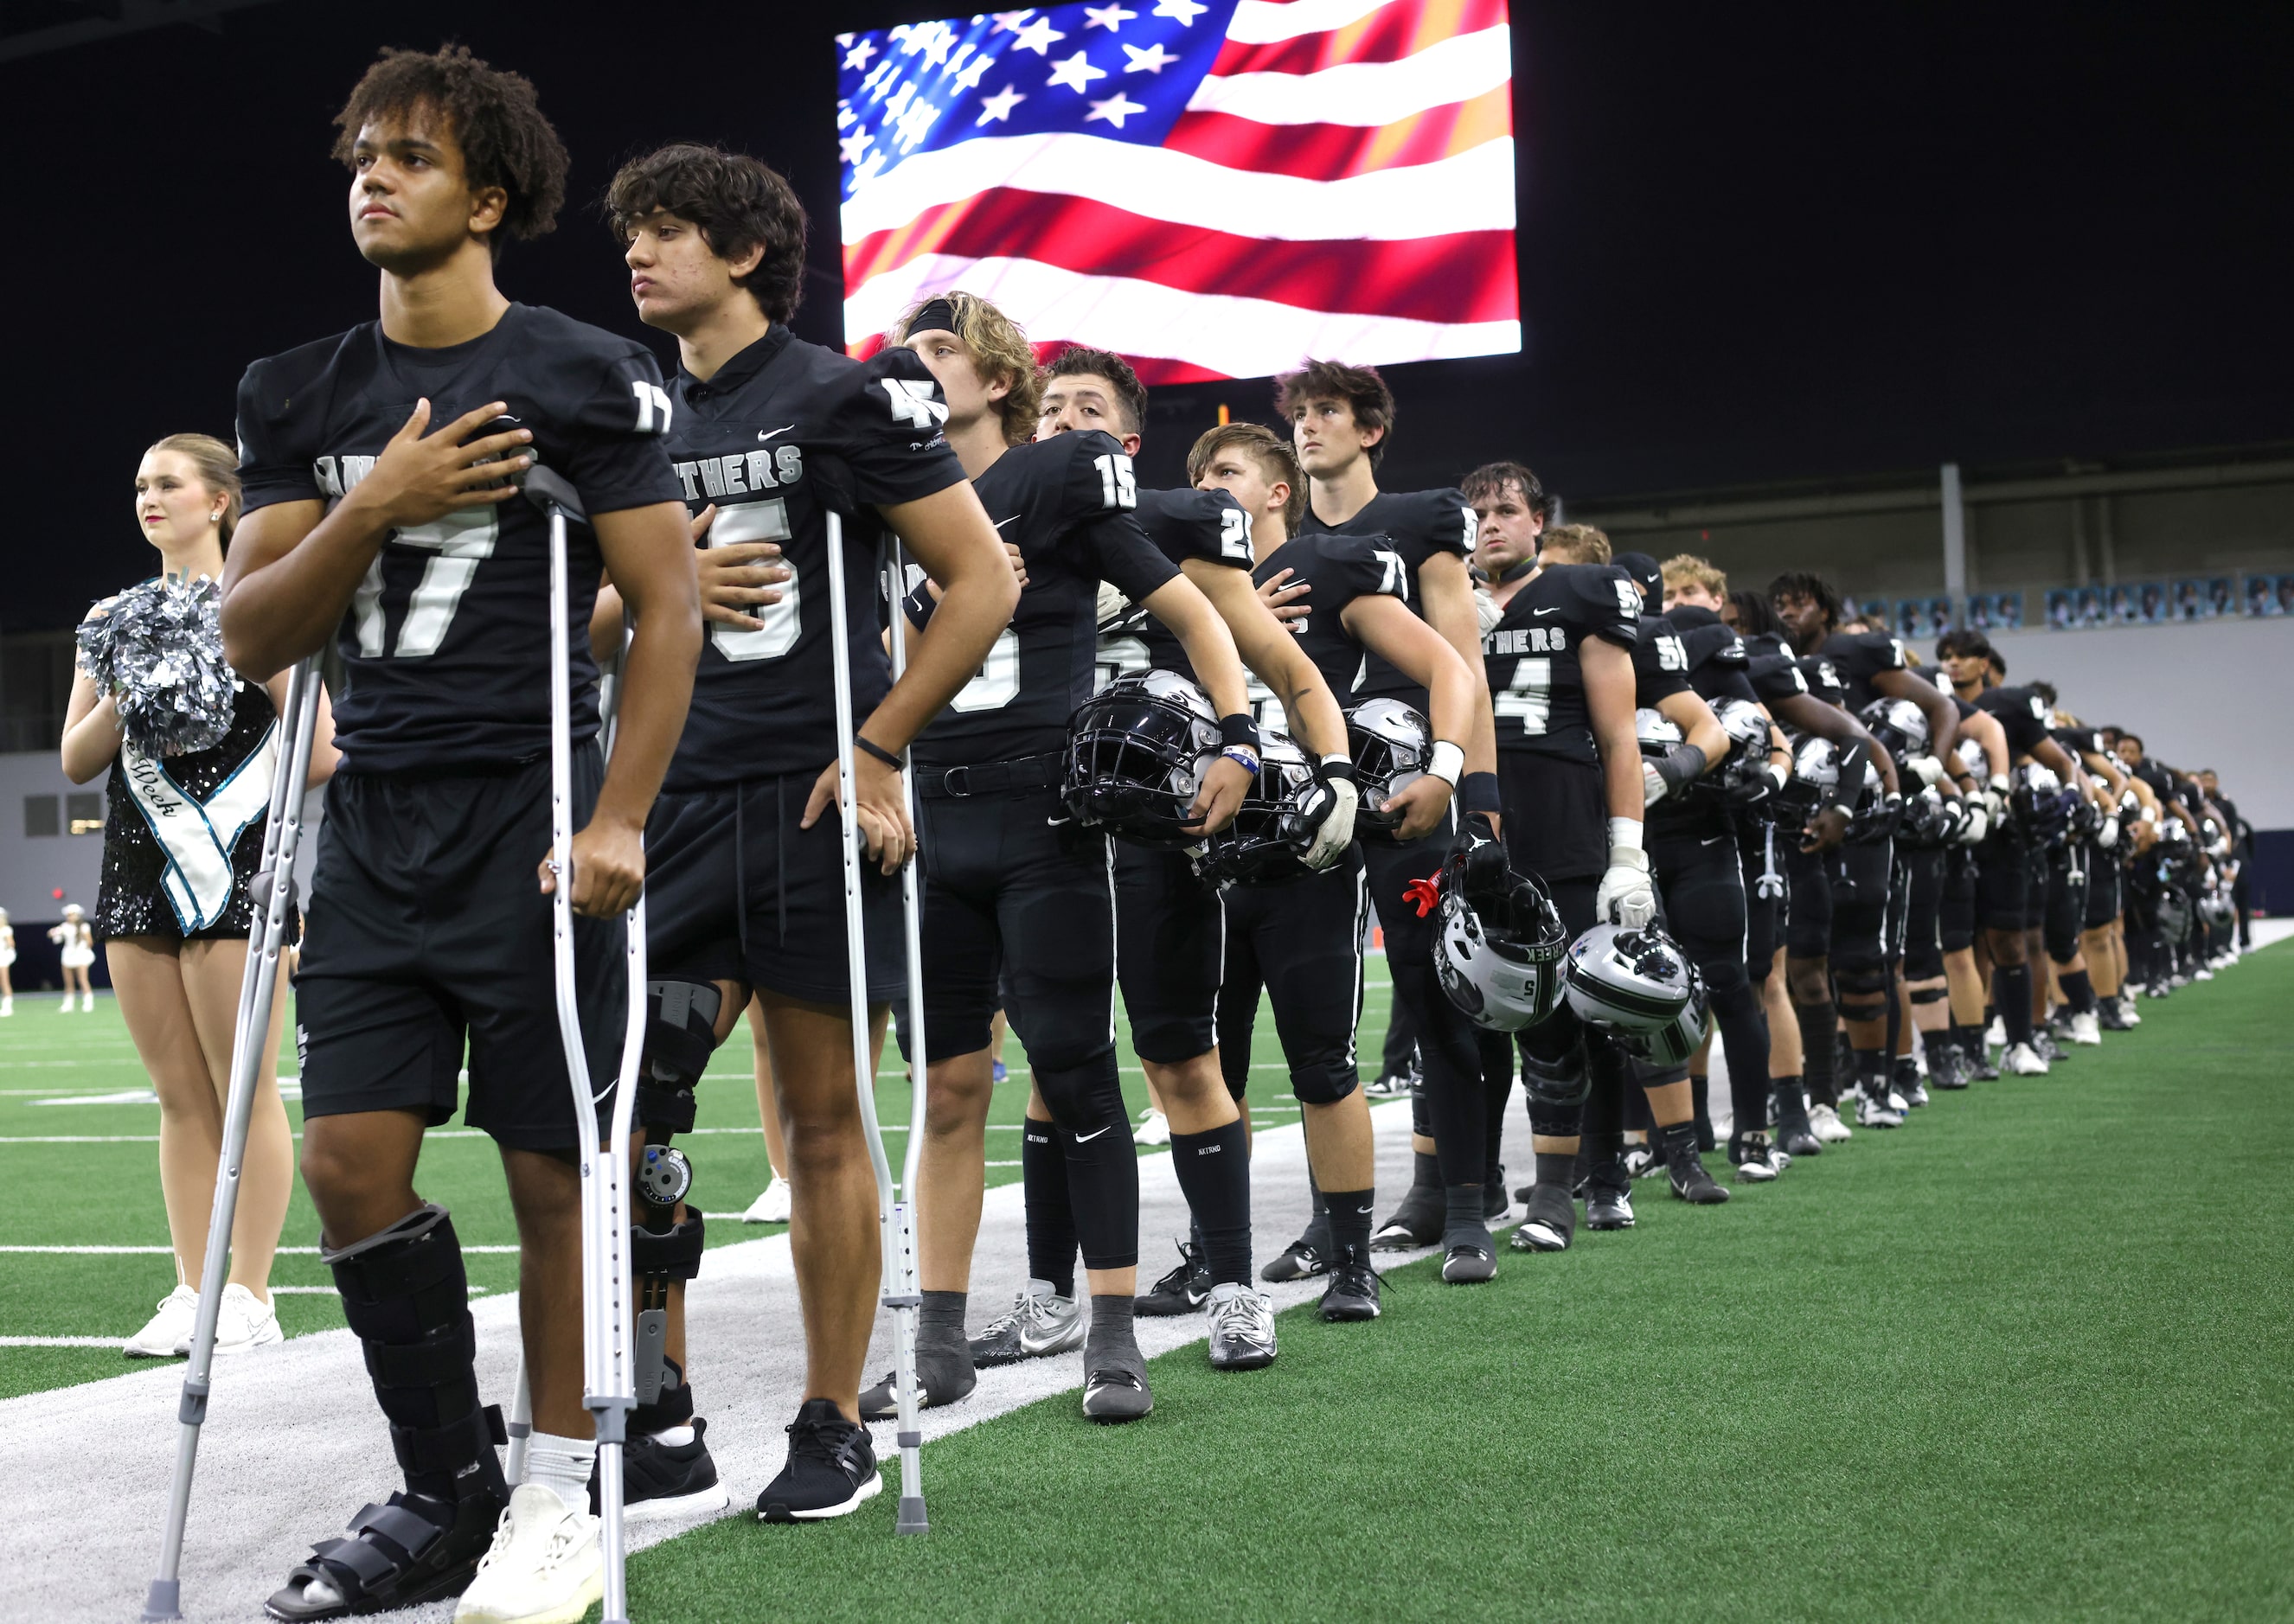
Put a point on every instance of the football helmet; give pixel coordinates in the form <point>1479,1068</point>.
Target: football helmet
<point>1137,752</point>
<point>1815,774</point>
<point>1639,985</point>
<point>1742,779</point>
<point>1391,743</point>
<point>2037,804</point>
<point>1659,734</point>
<point>1276,823</point>
<point>1498,941</point>
<point>1927,821</point>
<point>1900,727</point>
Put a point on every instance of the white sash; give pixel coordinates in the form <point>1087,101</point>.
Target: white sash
<point>198,836</point>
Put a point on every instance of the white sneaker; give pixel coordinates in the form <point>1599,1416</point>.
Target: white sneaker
<point>1825,1123</point>
<point>168,1332</point>
<point>245,1321</point>
<point>1995,1034</point>
<point>67,1003</point>
<point>544,1567</point>
<point>87,1003</point>
<point>2127,1013</point>
<point>772,1206</point>
<point>1154,1128</point>
<point>2023,1061</point>
<point>2087,1028</point>
<point>2203,974</point>
<point>7,1006</point>
<point>1877,1112</point>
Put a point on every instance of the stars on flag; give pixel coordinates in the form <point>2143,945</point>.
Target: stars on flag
<point>1108,17</point>
<point>967,77</point>
<point>1115,109</point>
<point>1153,60</point>
<point>1038,36</point>
<point>860,56</point>
<point>1008,22</point>
<point>1185,11</point>
<point>998,107</point>
<point>1076,72</point>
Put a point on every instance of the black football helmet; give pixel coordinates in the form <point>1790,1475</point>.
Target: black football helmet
<point>1137,752</point>
<point>1276,823</point>
<point>1391,743</point>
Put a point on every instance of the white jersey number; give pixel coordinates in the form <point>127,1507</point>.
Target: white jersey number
<point>1234,535</point>
<point>997,683</point>
<point>765,521</point>
<point>1394,579</point>
<point>1529,695</point>
<point>1118,487</point>
<point>459,542</point>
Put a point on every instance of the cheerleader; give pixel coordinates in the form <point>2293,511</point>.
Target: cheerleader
<point>182,839</point>
<point>7,964</point>
<point>79,945</point>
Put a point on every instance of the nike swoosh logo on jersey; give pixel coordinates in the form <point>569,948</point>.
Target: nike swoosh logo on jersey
<point>1000,524</point>
<point>768,433</point>
<point>1084,1139</point>
<point>1554,611</point>
<point>1715,840</point>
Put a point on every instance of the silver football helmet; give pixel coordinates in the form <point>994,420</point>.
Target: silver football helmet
<point>1498,941</point>
<point>1391,743</point>
<point>1900,726</point>
<point>1639,985</point>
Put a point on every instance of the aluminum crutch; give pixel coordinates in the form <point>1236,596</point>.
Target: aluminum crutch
<point>272,890</point>
<point>605,1289</point>
<point>898,1279</point>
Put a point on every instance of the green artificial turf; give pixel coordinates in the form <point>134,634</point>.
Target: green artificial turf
<point>2027,1358</point>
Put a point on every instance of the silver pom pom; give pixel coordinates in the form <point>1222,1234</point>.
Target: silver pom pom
<point>159,651</point>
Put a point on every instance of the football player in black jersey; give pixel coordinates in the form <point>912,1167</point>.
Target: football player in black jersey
<point>1170,927</point>
<point>1300,939</point>
<point>1341,422</point>
<point>769,435</point>
<point>377,467</point>
<point>1019,903</point>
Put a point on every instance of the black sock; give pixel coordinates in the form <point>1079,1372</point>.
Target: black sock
<point>1424,1171</point>
<point>1051,1222</point>
<point>1112,1343</point>
<point>2010,992</point>
<point>943,1351</point>
<point>1936,1044</point>
<point>1349,1220</point>
<point>1317,1233</point>
<point>1214,1171</point>
<point>1555,1169</point>
<point>1700,1095</point>
<point>1872,1072</point>
<point>2078,990</point>
<point>1462,1213</point>
<point>1791,1103</point>
<point>1674,1142</point>
<point>1818,1022</point>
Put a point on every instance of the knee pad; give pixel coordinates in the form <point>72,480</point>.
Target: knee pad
<point>680,1035</point>
<point>1085,1098</point>
<point>1863,988</point>
<point>1324,1084</point>
<point>1557,1083</point>
<point>408,1300</point>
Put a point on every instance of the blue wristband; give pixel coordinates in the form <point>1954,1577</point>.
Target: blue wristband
<point>1242,759</point>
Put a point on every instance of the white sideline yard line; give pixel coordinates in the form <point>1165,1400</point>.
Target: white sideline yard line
<point>168,1250</point>
<point>279,1468</point>
<point>63,1342</point>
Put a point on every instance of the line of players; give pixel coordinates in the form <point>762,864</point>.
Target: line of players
<point>1358,611</point>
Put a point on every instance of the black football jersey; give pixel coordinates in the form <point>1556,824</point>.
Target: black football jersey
<point>1068,504</point>
<point>1772,669</point>
<point>1531,655</point>
<point>447,639</point>
<point>1184,524</point>
<point>783,435</point>
<point>1340,569</point>
<point>1660,663</point>
<point>1415,526</point>
<point>1717,656</point>
<point>1824,678</point>
<point>1859,657</point>
<point>2022,715</point>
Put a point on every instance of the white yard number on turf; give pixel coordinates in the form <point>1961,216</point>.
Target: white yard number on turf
<point>459,542</point>
<point>1117,487</point>
<point>1528,695</point>
<point>997,683</point>
<point>765,521</point>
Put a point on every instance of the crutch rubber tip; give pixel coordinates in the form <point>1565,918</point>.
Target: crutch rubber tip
<point>911,1517</point>
<point>164,1600</point>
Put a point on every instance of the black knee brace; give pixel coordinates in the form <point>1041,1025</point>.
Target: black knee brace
<point>1560,1083</point>
<point>408,1300</point>
<point>662,1249</point>
<point>1863,988</point>
<point>1324,1084</point>
<point>680,1035</point>
<point>1930,995</point>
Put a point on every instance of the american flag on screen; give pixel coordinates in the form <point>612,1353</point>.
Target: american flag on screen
<point>1213,187</point>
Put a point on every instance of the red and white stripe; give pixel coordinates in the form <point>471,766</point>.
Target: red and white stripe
<point>1340,186</point>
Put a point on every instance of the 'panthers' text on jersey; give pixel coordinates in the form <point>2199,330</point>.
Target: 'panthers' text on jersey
<point>1718,660</point>
<point>447,639</point>
<point>1415,526</point>
<point>1536,684</point>
<point>1068,504</point>
<point>1859,657</point>
<point>1183,524</point>
<point>1339,569</point>
<point>781,435</point>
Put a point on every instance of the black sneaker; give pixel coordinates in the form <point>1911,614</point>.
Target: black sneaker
<point>1909,1083</point>
<point>830,1470</point>
<point>1416,1222</point>
<point>1468,1257</point>
<point>1948,1067</point>
<point>1393,1085</point>
<point>1116,1394</point>
<point>1550,1223</point>
<point>661,1480</point>
<point>1685,1170</point>
<point>1353,1292</point>
<point>2043,1043</point>
<point>1301,1259</point>
<point>1980,1066</point>
<point>1609,1198</point>
<point>1180,1292</point>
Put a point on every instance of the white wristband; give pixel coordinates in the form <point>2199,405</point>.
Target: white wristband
<point>1447,762</point>
<point>1625,831</point>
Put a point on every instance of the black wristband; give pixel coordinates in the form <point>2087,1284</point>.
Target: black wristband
<point>1331,771</point>
<point>1478,792</point>
<point>1684,763</point>
<point>1238,729</point>
<point>877,750</point>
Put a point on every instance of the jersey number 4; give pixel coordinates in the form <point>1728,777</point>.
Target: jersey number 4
<point>459,542</point>
<point>1530,694</point>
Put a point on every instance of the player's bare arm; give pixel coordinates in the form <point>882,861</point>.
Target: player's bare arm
<point>1182,607</point>
<point>1273,656</point>
<point>1943,716</point>
<point>1608,671</point>
<point>293,566</point>
<point>1445,588</point>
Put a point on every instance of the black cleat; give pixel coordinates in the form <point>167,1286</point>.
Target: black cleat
<point>1301,1259</point>
<point>1685,1170</point>
<point>1416,1222</point>
<point>1180,1292</point>
<point>1948,1067</point>
<point>830,1470</point>
<point>1550,1223</point>
<point>1609,1198</point>
<point>1352,1292</point>
<point>1116,1394</point>
<point>1468,1257</point>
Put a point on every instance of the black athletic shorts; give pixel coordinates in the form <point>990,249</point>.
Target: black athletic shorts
<point>1922,933</point>
<point>1557,819</point>
<point>427,928</point>
<point>1956,923</point>
<point>1019,914</point>
<point>1170,938</point>
<point>2103,877</point>
<point>1861,875</point>
<point>1701,886</point>
<point>736,891</point>
<point>2002,884</point>
<point>1807,934</point>
<point>1390,869</point>
<point>1302,941</point>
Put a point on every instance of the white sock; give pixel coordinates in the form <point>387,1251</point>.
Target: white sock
<point>562,1466</point>
<point>676,1437</point>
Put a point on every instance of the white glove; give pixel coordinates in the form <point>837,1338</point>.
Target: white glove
<point>2107,836</point>
<point>1653,785</point>
<point>1336,831</point>
<point>1979,821</point>
<point>1930,771</point>
<point>1487,611</point>
<point>1626,895</point>
<point>1995,805</point>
